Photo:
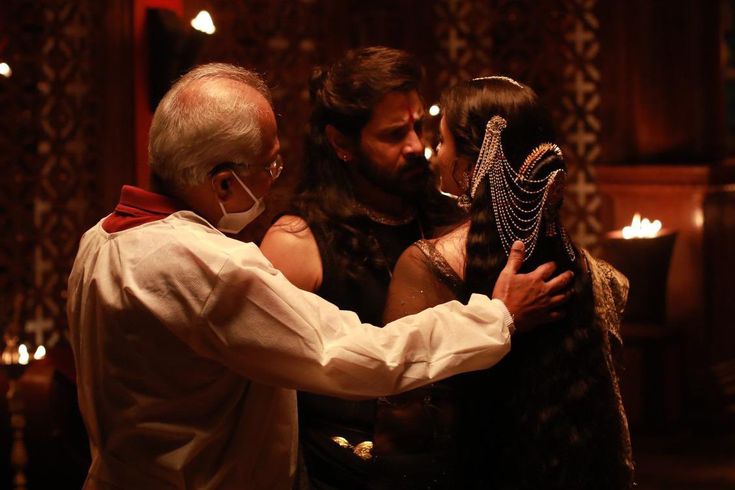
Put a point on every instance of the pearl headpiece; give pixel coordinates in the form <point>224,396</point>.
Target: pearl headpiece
<point>519,202</point>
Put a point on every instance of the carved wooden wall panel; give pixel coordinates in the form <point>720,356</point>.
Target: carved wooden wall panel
<point>18,141</point>
<point>553,47</point>
<point>52,151</point>
<point>579,118</point>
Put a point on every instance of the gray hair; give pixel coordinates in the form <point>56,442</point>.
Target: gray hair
<point>206,118</point>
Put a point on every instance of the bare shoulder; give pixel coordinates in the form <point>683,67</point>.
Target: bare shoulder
<point>290,230</point>
<point>291,247</point>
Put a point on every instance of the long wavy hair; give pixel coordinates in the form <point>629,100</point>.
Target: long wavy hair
<point>467,107</point>
<point>560,426</point>
<point>343,95</point>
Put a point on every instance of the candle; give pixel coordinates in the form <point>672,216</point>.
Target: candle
<point>641,228</point>
<point>642,251</point>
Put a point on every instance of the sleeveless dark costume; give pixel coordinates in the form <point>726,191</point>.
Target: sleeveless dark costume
<point>394,464</point>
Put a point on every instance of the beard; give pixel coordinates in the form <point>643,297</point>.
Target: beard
<point>411,180</point>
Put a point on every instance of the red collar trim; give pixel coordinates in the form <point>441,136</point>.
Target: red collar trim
<point>138,206</point>
<point>147,201</point>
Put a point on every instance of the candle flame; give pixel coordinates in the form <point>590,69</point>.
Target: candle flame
<point>23,356</point>
<point>7,357</point>
<point>203,22</point>
<point>5,70</point>
<point>40,353</point>
<point>641,228</point>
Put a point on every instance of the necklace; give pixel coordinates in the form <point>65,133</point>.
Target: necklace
<point>385,219</point>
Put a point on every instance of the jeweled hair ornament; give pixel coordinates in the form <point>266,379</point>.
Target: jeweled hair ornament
<point>519,201</point>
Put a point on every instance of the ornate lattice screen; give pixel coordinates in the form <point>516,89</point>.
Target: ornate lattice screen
<point>49,156</point>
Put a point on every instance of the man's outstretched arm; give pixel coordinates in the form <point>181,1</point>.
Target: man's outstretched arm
<point>260,325</point>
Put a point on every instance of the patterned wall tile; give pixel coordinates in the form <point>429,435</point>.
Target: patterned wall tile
<point>579,120</point>
<point>54,156</point>
<point>20,41</point>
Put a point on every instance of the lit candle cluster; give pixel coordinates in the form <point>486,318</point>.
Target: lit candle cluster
<point>20,355</point>
<point>642,228</point>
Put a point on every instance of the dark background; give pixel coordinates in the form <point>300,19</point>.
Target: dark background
<point>647,85</point>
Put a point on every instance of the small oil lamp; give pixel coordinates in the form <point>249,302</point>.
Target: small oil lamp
<point>642,251</point>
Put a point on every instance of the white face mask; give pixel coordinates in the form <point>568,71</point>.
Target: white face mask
<point>234,223</point>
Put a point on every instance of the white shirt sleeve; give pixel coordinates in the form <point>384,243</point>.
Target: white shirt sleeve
<point>248,316</point>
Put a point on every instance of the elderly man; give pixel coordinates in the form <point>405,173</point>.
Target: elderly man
<point>188,344</point>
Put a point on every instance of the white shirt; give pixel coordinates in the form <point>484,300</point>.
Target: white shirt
<point>189,346</point>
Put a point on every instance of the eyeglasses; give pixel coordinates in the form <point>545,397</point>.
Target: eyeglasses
<point>273,168</point>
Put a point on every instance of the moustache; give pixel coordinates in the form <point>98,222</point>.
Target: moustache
<point>416,164</point>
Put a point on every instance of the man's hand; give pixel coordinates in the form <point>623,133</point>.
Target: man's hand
<point>531,300</point>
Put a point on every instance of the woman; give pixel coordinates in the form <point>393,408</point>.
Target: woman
<point>550,414</point>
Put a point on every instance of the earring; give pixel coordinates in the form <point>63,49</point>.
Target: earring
<point>465,201</point>
<point>466,181</point>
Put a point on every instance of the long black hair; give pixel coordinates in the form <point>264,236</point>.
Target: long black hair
<point>555,388</point>
<point>467,107</point>
<point>343,95</point>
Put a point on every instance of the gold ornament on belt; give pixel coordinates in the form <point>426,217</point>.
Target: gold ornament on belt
<point>363,450</point>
